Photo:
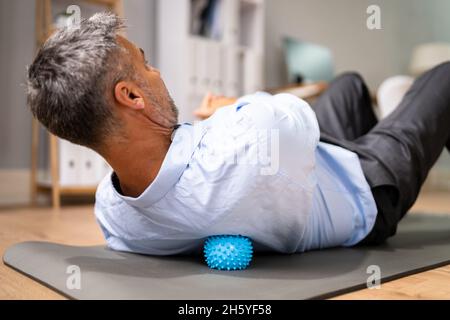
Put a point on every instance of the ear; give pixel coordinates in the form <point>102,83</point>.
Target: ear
<point>129,95</point>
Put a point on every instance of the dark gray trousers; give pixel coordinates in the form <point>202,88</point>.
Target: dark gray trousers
<point>397,152</point>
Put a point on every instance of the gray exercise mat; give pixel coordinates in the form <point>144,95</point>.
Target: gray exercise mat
<point>422,242</point>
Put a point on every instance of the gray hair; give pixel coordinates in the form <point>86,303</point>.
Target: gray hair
<point>71,81</point>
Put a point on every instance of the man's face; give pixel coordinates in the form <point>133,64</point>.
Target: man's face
<point>163,109</point>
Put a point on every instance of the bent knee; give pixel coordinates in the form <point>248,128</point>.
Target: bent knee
<point>443,65</point>
<point>349,80</point>
<point>350,76</point>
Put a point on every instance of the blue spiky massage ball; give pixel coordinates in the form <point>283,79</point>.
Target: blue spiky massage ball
<point>228,252</point>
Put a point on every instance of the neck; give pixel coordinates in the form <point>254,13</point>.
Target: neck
<point>138,159</point>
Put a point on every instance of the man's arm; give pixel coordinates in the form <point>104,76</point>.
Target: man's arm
<point>211,103</point>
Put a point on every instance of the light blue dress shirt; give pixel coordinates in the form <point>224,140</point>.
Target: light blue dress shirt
<point>254,168</point>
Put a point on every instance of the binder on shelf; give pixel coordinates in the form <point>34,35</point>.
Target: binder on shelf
<point>252,71</point>
<point>192,65</point>
<point>231,27</point>
<point>90,168</point>
<point>80,166</point>
<point>217,19</point>
<point>214,67</point>
<point>204,77</point>
<point>69,163</point>
<point>231,72</point>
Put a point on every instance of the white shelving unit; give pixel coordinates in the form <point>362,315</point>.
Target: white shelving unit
<point>80,169</point>
<point>230,62</point>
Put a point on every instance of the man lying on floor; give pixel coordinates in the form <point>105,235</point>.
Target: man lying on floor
<point>259,167</point>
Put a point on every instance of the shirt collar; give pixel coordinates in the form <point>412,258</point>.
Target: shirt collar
<point>185,140</point>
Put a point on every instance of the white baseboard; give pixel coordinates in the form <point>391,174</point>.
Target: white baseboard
<point>14,187</point>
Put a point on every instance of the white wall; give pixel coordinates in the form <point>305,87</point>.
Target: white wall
<point>341,26</point>
<point>16,51</point>
<point>441,22</point>
<point>141,22</point>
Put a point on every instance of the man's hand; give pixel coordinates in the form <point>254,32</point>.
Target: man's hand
<point>211,103</point>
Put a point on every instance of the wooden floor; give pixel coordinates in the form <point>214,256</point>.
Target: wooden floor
<point>77,226</point>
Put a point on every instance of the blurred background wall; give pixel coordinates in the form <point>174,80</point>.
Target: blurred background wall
<point>341,26</point>
<point>338,25</point>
